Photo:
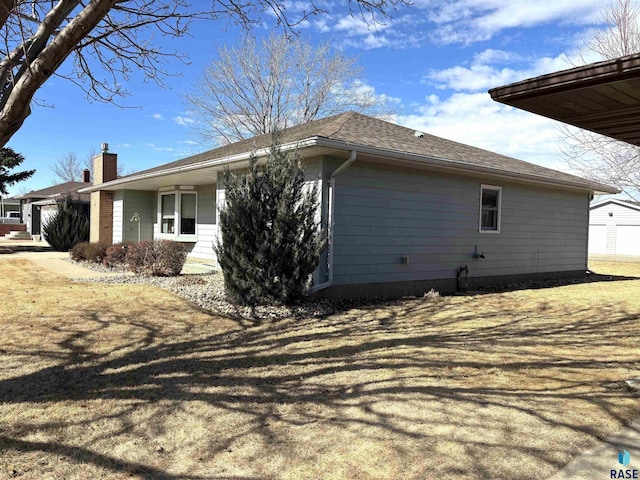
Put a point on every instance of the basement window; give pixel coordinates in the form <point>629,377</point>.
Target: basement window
<point>177,215</point>
<point>490,208</point>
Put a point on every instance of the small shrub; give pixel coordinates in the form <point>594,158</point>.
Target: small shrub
<point>89,252</point>
<point>162,258</point>
<point>115,255</point>
<point>78,252</point>
<point>95,252</point>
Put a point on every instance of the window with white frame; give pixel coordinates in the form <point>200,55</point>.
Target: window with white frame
<point>168,213</point>
<point>178,214</point>
<point>490,208</point>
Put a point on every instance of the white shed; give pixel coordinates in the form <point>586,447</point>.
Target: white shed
<point>614,227</point>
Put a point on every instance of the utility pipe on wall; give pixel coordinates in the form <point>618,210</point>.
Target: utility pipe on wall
<point>331,222</point>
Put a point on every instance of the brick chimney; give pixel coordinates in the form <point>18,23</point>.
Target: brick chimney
<point>86,175</point>
<point>105,169</point>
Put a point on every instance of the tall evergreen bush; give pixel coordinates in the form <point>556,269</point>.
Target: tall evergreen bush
<point>67,227</point>
<point>271,241</point>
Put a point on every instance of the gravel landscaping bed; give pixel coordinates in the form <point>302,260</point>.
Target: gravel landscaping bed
<point>207,291</point>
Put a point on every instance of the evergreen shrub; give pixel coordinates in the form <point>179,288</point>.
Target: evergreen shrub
<point>271,241</point>
<point>67,227</point>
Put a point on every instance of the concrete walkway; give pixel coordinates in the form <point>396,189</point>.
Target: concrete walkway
<point>597,462</point>
<point>41,254</point>
<point>56,262</point>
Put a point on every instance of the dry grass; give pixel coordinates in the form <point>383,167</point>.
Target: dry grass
<point>98,381</point>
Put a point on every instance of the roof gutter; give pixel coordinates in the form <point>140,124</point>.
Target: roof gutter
<point>456,165</point>
<point>228,160</point>
<point>331,220</point>
<point>411,158</point>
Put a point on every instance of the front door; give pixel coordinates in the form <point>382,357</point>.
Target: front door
<point>35,219</point>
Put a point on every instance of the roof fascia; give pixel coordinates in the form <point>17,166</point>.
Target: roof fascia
<point>216,162</point>
<point>585,75</point>
<point>622,203</point>
<point>454,166</point>
<point>457,166</point>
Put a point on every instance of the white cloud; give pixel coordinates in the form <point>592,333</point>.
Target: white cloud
<point>468,21</point>
<point>475,119</point>
<point>157,116</point>
<point>376,41</point>
<point>180,120</point>
<point>491,55</point>
<point>353,25</point>
<point>155,147</point>
<point>482,75</point>
<point>365,32</point>
<point>321,24</point>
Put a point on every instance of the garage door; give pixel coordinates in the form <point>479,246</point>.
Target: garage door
<point>597,238</point>
<point>628,239</point>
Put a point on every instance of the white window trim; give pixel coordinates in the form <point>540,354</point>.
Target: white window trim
<point>499,190</point>
<point>177,216</point>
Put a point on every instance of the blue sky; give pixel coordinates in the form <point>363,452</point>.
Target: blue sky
<point>435,60</point>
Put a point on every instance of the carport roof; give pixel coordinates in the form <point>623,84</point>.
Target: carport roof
<point>603,97</point>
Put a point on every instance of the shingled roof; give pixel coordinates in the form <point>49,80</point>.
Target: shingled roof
<point>67,188</point>
<point>353,131</point>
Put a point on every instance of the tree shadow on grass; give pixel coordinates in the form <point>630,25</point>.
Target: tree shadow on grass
<point>401,379</point>
<point>7,248</point>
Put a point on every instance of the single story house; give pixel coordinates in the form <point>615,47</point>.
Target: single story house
<point>405,211</point>
<point>614,227</point>
<point>38,206</point>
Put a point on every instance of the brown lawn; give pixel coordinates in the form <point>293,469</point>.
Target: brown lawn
<point>100,381</point>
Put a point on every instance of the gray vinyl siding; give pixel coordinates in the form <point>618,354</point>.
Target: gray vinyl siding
<point>144,204</point>
<point>383,214</point>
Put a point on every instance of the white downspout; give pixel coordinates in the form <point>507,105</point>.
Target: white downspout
<point>331,222</point>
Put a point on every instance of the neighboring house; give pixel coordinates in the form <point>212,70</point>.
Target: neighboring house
<point>8,205</point>
<point>614,227</point>
<point>38,206</point>
<point>405,211</point>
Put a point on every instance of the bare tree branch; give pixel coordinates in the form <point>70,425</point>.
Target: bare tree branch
<point>110,39</point>
<point>69,168</point>
<point>259,87</point>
